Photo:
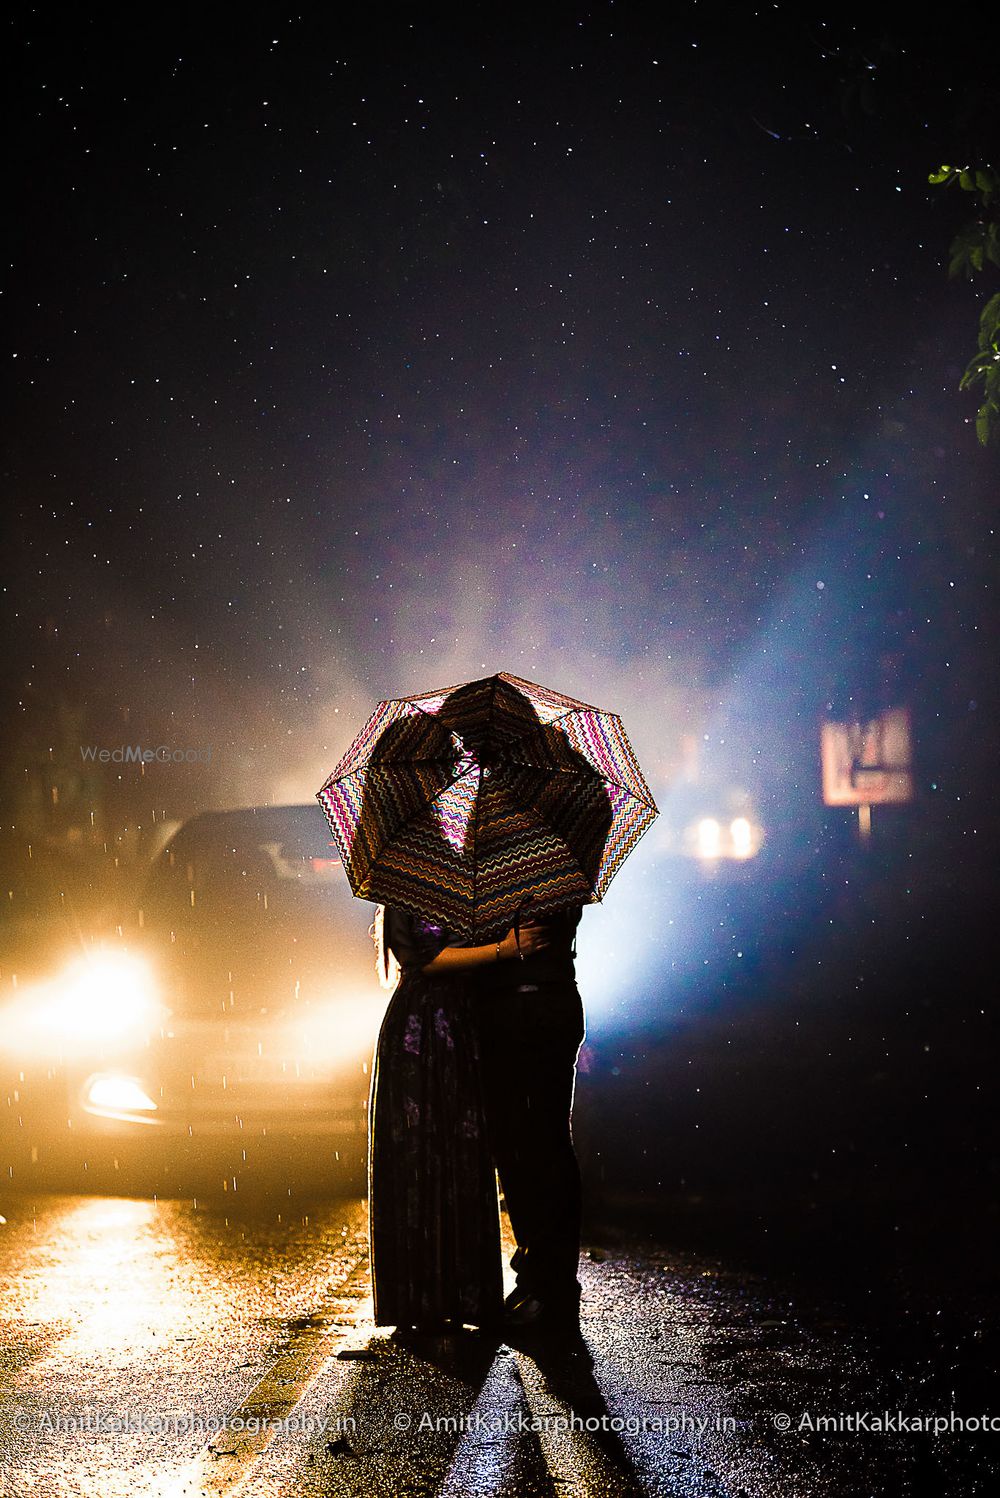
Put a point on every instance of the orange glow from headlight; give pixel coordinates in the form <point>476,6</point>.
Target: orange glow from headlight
<point>116,1094</point>
<point>98,1000</point>
<point>346,1028</point>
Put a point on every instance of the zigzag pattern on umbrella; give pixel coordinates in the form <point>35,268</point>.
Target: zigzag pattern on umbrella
<point>574,803</point>
<point>397,732</point>
<point>601,823</point>
<point>572,814</point>
<point>547,704</point>
<point>464,804</point>
<point>581,742</point>
<point>601,740</point>
<point>369,806</point>
<point>454,809</point>
<point>507,877</point>
<point>630,820</point>
<point>538,874</point>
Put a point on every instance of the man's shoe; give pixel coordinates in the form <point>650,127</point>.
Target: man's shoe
<point>524,1308</point>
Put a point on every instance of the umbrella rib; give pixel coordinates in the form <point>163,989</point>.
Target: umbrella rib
<point>589,707</point>
<point>592,883</point>
<point>574,770</point>
<point>553,722</point>
<point>604,779</point>
<point>603,738</point>
<point>475,822</point>
<point>422,811</point>
<point>607,779</point>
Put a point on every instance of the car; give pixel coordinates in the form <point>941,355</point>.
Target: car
<point>226,1035</point>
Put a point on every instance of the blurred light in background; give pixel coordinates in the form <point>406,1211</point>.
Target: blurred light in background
<point>109,998</point>
<point>742,836</point>
<point>345,1029</point>
<point>620,941</point>
<point>708,838</point>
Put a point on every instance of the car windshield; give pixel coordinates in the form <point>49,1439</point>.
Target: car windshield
<point>251,909</point>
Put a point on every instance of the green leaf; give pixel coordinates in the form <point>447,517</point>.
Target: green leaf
<point>974,372</point>
<point>993,243</point>
<point>987,183</point>
<point>989,323</point>
<point>977,369</point>
<point>975,244</point>
<point>987,420</point>
<point>967,250</point>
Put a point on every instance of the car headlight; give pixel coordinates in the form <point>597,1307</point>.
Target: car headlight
<point>110,1093</point>
<point>741,833</point>
<point>708,838</point>
<point>711,840</point>
<point>96,1001</point>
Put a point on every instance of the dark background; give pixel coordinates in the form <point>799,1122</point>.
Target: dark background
<point>357,355</point>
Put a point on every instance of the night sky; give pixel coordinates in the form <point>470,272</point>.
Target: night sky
<point>352,357</point>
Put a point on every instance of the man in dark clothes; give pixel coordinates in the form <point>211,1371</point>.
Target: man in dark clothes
<point>531,1025</point>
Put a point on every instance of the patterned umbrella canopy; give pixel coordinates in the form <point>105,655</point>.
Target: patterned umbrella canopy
<point>475,804</point>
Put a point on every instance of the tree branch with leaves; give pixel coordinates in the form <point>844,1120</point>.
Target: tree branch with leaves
<point>973,246</point>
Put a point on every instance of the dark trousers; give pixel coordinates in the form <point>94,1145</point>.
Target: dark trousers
<point>528,1047</point>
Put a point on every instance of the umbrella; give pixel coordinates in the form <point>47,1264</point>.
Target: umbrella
<point>476,804</point>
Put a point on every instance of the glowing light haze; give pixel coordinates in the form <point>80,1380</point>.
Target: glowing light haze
<point>352,360</point>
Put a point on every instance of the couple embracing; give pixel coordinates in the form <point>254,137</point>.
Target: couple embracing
<point>461,811</point>
<point>474,1075</point>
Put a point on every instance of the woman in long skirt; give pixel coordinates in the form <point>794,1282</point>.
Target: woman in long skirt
<point>434,1215</point>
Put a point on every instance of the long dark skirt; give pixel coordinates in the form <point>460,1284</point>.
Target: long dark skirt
<point>434,1216</point>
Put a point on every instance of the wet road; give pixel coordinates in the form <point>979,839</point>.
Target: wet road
<point>186,1348</point>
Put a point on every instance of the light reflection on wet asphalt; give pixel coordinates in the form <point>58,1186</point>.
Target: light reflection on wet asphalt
<point>138,1312</point>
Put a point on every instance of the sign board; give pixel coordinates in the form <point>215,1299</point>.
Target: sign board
<point>868,764</point>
